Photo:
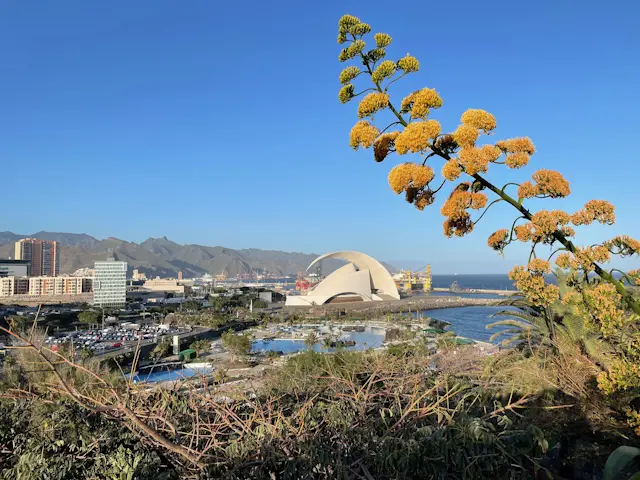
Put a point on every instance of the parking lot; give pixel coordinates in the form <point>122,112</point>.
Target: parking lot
<point>114,338</point>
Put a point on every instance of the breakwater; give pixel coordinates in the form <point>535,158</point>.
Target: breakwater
<point>396,306</point>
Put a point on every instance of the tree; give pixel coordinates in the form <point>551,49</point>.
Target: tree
<point>260,304</point>
<point>200,346</point>
<point>311,340</point>
<point>238,345</point>
<point>85,354</point>
<point>418,133</point>
<point>90,317</point>
<point>161,349</point>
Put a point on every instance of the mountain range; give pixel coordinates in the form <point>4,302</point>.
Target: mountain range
<point>163,257</point>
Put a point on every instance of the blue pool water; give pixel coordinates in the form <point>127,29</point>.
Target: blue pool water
<point>370,338</point>
<point>163,375</point>
<point>469,322</point>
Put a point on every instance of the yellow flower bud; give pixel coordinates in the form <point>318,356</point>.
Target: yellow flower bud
<point>409,64</point>
<point>360,29</point>
<point>451,170</point>
<point>363,134</point>
<point>466,135</point>
<point>382,40</point>
<point>347,21</point>
<point>372,103</point>
<point>346,93</point>
<point>406,175</point>
<point>384,70</point>
<point>349,74</point>
<point>417,136</point>
<point>480,119</point>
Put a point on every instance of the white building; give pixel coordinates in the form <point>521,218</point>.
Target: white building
<point>110,284</point>
<point>362,279</point>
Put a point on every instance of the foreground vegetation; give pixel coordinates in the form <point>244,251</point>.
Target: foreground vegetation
<point>558,404</point>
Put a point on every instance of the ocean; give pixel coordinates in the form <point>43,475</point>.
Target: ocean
<point>483,281</point>
<point>470,322</point>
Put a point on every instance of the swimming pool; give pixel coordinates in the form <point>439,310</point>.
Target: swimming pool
<point>160,374</point>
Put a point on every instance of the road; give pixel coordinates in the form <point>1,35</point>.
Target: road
<point>131,346</point>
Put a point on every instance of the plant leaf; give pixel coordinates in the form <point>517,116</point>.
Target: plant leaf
<point>618,460</point>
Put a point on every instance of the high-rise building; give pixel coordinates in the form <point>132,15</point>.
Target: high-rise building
<point>110,283</point>
<point>180,275</point>
<point>43,256</point>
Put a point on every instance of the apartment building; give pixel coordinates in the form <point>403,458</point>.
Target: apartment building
<point>43,256</point>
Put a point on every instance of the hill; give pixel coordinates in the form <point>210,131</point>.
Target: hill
<point>163,257</point>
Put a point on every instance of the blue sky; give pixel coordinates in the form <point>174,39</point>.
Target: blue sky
<point>218,123</point>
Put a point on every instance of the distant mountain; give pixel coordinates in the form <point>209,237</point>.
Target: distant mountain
<point>64,239</point>
<point>163,257</point>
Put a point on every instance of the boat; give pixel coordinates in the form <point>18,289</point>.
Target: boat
<point>457,288</point>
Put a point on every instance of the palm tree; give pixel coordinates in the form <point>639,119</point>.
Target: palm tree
<point>311,340</point>
<point>557,326</point>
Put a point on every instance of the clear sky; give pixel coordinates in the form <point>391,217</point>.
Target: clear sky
<point>218,123</point>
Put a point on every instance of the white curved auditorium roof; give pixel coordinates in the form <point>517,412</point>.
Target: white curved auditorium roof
<point>363,276</point>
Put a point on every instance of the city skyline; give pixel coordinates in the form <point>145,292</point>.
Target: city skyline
<point>148,93</point>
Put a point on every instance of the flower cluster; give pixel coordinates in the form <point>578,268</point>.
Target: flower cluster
<point>634,275</point>
<point>549,183</point>
<point>382,40</point>
<point>499,239</point>
<point>466,135</point>
<point>352,25</point>
<point>542,226</point>
<point>451,170</point>
<point>417,136</point>
<point>595,211</point>
<point>372,103</point>
<point>408,175</point>
<point>517,145</point>
<point>458,220</point>
<point>623,245</point>
<point>620,375</point>
<point>423,101</point>
<point>385,70</point>
<point>531,283</point>
<point>349,74</point>
<point>476,160</point>
<point>606,307</point>
<point>424,199</point>
<point>479,119</point>
<point>459,227</point>
<point>409,64</point>
<point>363,134</point>
<point>383,145</point>
<point>517,160</point>
<point>420,102</point>
<point>461,200</point>
<point>356,47</point>
<point>537,266</point>
<point>346,93</point>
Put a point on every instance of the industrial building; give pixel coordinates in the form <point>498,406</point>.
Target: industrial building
<point>363,278</point>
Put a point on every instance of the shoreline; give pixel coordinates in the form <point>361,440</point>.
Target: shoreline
<point>404,305</point>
